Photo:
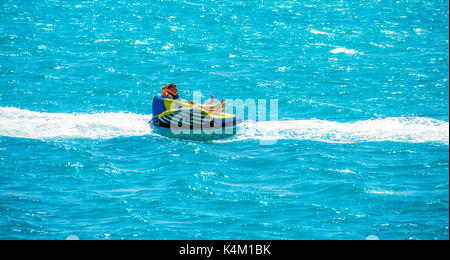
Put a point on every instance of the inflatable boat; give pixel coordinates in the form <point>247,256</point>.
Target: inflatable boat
<point>181,115</point>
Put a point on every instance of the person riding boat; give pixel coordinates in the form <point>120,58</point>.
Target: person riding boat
<point>170,91</point>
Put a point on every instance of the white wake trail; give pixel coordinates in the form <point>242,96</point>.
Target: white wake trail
<point>396,129</point>
<point>20,123</point>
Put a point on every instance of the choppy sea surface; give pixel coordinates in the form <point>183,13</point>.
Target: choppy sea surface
<point>360,147</point>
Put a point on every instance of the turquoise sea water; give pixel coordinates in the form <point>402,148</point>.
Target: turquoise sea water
<point>78,157</point>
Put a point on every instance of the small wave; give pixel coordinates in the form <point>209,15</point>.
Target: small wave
<point>138,42</point>
<point>314,31</point>
<point>345,50</point>
<point>22,123</point>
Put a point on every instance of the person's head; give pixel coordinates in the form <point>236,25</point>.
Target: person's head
<point>172,87</point>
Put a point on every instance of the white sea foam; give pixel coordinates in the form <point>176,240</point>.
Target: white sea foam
<point>395,129</point>
<point>20,123</point>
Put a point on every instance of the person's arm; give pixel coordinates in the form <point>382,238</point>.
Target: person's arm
<point>212,101</point>
<point>215,109</point>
